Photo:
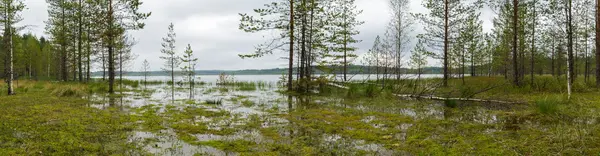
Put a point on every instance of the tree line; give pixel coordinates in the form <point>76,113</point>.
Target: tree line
<point>81,34</point>
<point>528,38</point>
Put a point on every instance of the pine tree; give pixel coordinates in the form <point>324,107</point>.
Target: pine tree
<point>146,70</point>
<point>597,43</point>
<point>172,61</point>
<point>442,25</point>
<point>418,58</point>
<point>122,15</point>
<point>189,67</point>
<point>343,29</point>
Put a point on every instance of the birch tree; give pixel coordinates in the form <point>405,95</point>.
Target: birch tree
<point>400,30</point>
<point>10,16</point>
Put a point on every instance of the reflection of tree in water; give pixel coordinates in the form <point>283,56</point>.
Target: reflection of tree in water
<point>116,101</point>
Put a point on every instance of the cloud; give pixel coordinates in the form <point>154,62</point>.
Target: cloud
<point>211,28</point>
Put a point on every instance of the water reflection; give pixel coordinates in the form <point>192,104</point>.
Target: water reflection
<point>265,116</point>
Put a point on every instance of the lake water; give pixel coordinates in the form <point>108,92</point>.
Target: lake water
<point>270,78</point>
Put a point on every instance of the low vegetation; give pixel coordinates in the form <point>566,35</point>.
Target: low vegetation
<point>53,118</point>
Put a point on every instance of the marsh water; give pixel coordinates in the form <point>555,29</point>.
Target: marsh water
<point>260,120</point>
<point>272,78</point>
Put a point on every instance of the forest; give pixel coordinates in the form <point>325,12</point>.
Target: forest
<point>436,82</point>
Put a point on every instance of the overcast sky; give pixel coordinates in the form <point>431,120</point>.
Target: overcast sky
<point>211,27</point>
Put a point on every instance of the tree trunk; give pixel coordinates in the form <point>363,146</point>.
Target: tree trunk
<point>291,59</point>
<point>89,53</point>
<point>121,70</point>
<point>303,42</point>
<point>533,42</point>
<point>598,43</point>
<point>9,47</point>
<point>111,59</point>
<point>570,59</point>
<point>172,77</point>
<point>63,47</point>
<point>446,14</point>
<point>553,57</point>
<point>310,41</point>
<point>79,42</point>
<point>515,34</point>
<point>103,65</point>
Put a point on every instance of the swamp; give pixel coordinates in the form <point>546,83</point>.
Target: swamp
<point>258,118</point>
<point>299,77</point>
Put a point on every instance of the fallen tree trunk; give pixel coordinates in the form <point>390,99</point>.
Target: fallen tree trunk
<point>431,97</point>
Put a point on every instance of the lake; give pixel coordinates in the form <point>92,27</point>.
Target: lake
<point>269,78</point>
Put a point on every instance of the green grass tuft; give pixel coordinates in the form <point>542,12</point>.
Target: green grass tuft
<point>548,105</point>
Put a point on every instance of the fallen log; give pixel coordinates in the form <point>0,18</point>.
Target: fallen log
<point>431,97</point>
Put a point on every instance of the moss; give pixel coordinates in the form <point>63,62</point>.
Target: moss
<point>149,119</point>
<point>35,123</point>
<point>190,102</point>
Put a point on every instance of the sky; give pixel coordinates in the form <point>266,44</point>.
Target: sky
<point>211,28</point>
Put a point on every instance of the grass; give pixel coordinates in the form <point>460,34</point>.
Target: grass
<point>248,103</point>
<point>496,88</point>
<point>548,105</point>
<point>37,122</point>
<point>335,123</point>
<point>246,85</point>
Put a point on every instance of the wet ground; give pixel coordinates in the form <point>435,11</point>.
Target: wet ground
<point>232,120</point>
